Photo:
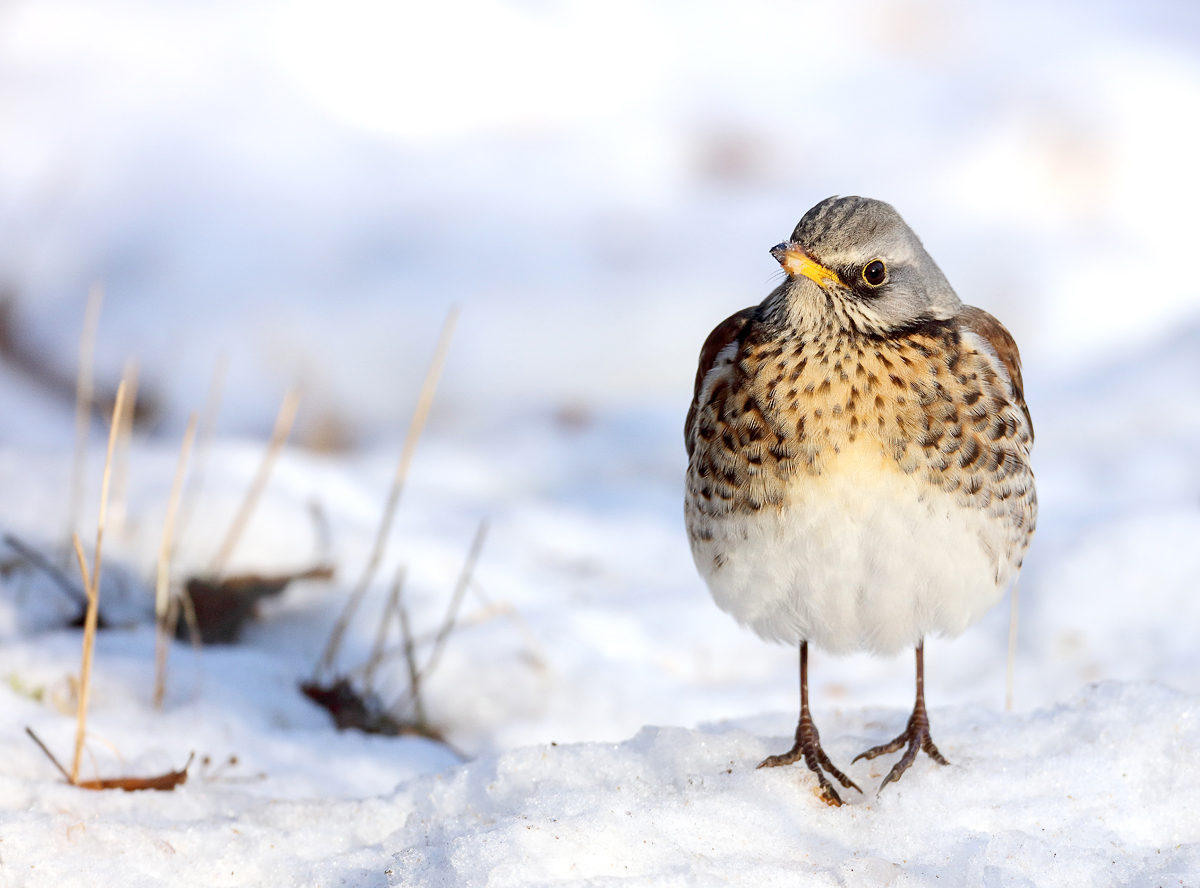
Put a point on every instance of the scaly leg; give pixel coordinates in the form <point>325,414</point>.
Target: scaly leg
<point>808,744</point>
<point>916,735</point>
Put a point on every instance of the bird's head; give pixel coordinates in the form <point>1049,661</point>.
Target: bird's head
<point>853,263</point>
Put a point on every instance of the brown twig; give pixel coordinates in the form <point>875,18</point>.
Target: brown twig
<point>84,392</point>
<point>279,436</point>
<point>163,782</point>
<point>420,415</point>
<point>38,740</point>
<point>162,598</point>
<point>93,587</point>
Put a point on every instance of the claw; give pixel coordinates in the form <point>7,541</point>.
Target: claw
<point>915,737</point>
<point>808,746</point>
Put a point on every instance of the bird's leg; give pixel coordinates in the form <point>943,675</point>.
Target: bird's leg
<point>915,736</point>
<point>808,744</point>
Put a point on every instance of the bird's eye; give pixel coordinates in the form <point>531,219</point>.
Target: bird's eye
<point>875,273</point>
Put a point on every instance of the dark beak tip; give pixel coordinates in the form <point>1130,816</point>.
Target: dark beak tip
<point>779,251</point>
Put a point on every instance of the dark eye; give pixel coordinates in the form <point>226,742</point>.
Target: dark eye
<point>875,272</point>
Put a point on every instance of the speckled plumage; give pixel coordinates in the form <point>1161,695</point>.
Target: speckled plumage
<point>858,449</point>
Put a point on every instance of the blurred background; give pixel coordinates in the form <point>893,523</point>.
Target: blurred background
<point>308,186</point>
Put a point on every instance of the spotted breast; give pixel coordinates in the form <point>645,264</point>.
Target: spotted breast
<point>854,488</point>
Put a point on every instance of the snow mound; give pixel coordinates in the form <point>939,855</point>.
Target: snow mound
<point>1100,791</point>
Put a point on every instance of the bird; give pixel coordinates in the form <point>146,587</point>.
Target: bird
<point>859,459</point>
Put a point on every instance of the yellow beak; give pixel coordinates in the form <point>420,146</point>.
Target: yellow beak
<point>795,260</point>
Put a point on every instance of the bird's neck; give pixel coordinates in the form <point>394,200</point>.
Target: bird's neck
<point>810,313</point>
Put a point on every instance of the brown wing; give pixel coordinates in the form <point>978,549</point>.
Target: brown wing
<point>983,324</point>
<point>729,330</point>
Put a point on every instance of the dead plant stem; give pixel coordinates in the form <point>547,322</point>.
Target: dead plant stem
<point>162,597</point>
<point>44,748</point>
<point>415,427</point>
<point>410,657</point>
<point>279,436</point>
<point>92,584</point>
<point>456,600</point>
<point>120,483</point>
<point>84,392</point>
<point>382,631</point>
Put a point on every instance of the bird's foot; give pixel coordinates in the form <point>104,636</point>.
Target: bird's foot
<point>916,737</point>
<point>808,747</point>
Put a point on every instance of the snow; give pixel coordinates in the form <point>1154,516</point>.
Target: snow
<point>1065,796</point>
<point>309,187</point>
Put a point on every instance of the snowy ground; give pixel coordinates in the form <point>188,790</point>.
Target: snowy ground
<point>283,181</point>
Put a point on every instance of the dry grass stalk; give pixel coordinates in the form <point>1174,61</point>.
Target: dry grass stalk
<point>84,392</point>
<point>410,658</point>
<point>208,427</point>
<point>381,633</point>
<point>489,610</point>
<point>456,600</point>
<point>420,415</point>
<point>1010,672</point>
<point>162,598</point>
<point>92,584</point>
<point>476,617</point>
<point>120,483</point>
<point>279,436</point>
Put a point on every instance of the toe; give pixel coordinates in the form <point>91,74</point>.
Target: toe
<point>932,751</point>
<point>776,761</point>
<point>906,760</point>
<point>833,771</point>
<point>883,749</point>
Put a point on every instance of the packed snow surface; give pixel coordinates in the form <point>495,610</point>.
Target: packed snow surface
<point>1073,795</point>
<point>308,186</point>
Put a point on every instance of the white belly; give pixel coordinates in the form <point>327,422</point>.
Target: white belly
<point>862,558</point>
